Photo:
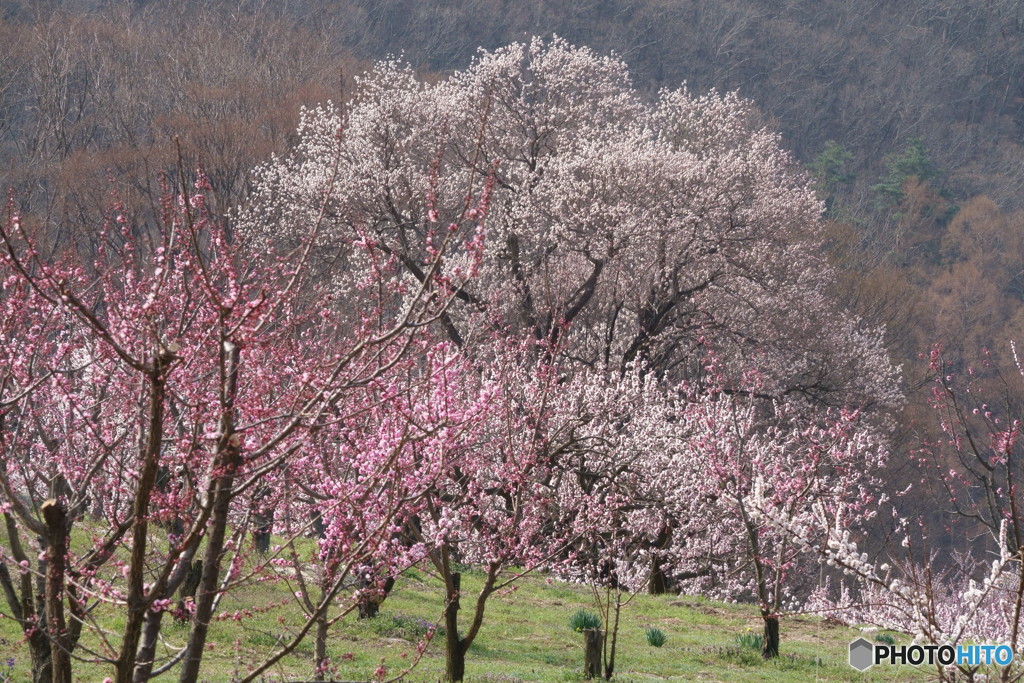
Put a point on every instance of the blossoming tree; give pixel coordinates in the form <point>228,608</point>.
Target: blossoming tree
<point>622,230</point>
<point>164,381</point>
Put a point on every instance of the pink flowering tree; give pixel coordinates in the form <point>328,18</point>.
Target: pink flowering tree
<point>189,369</point>
<point>487,479</point>
<point>43,453</point>
<point>975,466</point>
<point>366,481</point>
<point>493,503</point>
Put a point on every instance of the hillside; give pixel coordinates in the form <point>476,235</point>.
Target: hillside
<point>526,638</point>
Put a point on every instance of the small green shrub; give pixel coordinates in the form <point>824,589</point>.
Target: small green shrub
<point>750,641</point>
<point>885,638</point>
<point>582,620</point>
<point>655,636</point>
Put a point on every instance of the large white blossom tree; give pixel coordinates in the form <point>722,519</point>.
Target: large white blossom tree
<point>619,229</point>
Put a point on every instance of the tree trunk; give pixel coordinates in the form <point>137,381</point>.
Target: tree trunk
<point>188,590</point>
<point>147,648</point>
<point>369,607</point>
<point>185,571</point>
<point>207,591</point>
<point>42,665</point>
<point>227,462</point>
<point>770,642</point>
<point>320,654</point>
<point>261,534</point>
<point>455,661</point>
<point>609,664</point>
<point>42,662</point>
<point>593,643</point>
<point>658,585</point>
<point>56,626</point>
<point>26,602</point>
<point>318,527</point>
<point>137,600</point>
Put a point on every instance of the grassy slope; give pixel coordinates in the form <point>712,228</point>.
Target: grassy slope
<point>525,637</point>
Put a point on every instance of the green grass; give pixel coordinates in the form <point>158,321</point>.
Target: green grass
<point>524,638</point>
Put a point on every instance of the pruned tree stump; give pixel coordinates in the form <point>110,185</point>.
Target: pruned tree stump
<point>593,641</point>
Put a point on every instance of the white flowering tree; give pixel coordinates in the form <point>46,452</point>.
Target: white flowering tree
<point>967,594</point>
<point>619,230</point>
<point>693,482</point>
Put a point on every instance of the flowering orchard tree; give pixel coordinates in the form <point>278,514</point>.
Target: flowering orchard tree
<point>758,464</point>
<point>610,500</point>
<point>977,466</point>
<point>492,504</point>
<point>955,600</point>
<point>166,382</point>
<point>978,594</point>
<point>380,468</point>
<point>689,481</point>
<point>622,230</point>
<point>43,455</point>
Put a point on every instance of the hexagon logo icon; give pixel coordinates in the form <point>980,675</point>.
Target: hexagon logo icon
<point>862,654</point>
